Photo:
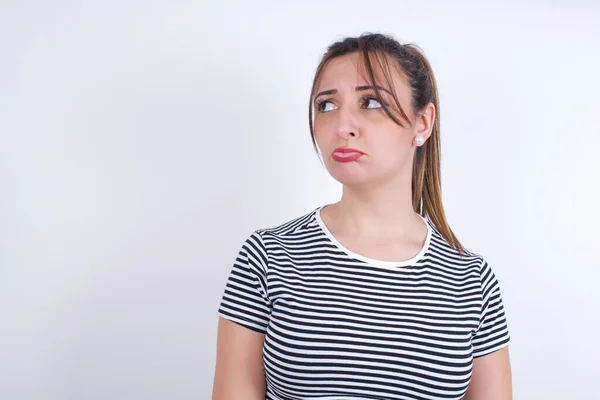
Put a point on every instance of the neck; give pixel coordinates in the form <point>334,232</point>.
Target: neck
<point>382,212</point>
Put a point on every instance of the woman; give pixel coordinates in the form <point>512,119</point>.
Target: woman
<point>372,297</point>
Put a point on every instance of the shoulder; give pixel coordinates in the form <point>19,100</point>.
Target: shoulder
<point>297,225</point>
<point>289,232</point>
<point>263,245</point>
<point>473,262</point>
<point>440,251</point>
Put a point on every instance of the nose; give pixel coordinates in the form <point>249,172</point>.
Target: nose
<point>347,123</point>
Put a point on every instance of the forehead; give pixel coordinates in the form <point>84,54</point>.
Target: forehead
<point>350,70</point>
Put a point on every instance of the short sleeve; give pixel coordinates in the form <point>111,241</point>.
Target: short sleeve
<point>492,333</point>
<point>245,299</point>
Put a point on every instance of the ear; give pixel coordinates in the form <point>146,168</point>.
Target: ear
<point>425,120</point>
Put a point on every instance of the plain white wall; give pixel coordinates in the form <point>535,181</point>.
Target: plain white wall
<point>141,141</point>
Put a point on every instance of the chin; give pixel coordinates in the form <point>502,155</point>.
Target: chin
<point>350,176</point>
<point>355,174</point>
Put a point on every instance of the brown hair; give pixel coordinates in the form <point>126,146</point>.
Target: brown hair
<point>426,177</point>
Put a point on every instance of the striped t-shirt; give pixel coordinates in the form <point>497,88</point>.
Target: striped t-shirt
<point>339,325</point>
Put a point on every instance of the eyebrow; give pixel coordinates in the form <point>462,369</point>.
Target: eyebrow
<point>358,88</point>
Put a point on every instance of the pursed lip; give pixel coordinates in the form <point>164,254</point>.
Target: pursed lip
<point>346,154</point>
<point>346,150</point>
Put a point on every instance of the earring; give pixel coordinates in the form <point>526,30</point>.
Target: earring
<point>419,140</point>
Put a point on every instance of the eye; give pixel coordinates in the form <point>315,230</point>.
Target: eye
<point>324,105</point>
<point>370,100</point>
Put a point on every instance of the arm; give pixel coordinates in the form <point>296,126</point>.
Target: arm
<point>239,372</point>
<point>491,378</point>
<point>244,317</point>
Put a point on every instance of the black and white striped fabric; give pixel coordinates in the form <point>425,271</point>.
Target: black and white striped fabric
<point>339,325</point>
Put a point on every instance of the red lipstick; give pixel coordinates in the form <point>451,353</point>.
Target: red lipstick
<point>346,154</point>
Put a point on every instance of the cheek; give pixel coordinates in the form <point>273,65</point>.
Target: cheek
<point>392,144</point>
<point>323,132</point>
<point>388,135</point>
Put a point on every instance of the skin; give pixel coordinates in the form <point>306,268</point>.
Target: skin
<point>374,217</point>
<point>239,372</point>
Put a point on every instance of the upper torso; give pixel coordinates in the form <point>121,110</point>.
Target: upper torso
<point>342,326</point>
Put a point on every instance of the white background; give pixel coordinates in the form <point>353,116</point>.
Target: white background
<point>142,141</point>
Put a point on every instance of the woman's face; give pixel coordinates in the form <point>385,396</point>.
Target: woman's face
<point>348,115</point>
